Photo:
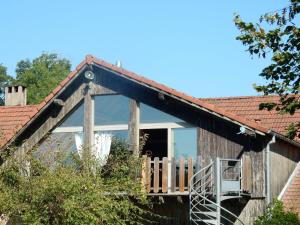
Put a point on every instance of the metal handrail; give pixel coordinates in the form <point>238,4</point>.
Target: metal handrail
<point>203,195</point>
<point>222,208</point>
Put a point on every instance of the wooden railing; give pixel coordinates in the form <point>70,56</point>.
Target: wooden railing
<point>168,176</point>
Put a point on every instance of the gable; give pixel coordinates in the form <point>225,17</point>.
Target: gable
<point>175,102</point>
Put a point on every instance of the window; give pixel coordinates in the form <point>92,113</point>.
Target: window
<point>184,142</point>
<point>69,142</point>
<point>76,117</point>
<point>111,116</point>
<point>111,110</point>
<point>68,136</point>
<point>152,115</point>
<point>119,134</point>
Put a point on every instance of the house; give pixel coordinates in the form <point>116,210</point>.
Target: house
<point>213,160</point>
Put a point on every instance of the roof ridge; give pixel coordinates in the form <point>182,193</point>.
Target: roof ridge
<point>238,97</point>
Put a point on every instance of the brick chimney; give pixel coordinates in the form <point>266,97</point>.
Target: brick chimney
<point>15,95</point>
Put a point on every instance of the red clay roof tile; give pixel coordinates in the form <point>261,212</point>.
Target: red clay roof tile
<point>12,118</point>
<point>291,197</point>
<point>248,107</point>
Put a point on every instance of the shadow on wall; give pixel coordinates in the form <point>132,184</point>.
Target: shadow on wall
<point>174,210</point>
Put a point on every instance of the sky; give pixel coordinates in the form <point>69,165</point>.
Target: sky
<point>188,45</point>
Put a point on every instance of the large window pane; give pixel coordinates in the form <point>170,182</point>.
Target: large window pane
<point>119,134</point>
<point>111,109</point>
<point>185,142</point>
<point>104,140</point>
<point>152,115</point>
<point>62,141</point>
<point>75,118</point>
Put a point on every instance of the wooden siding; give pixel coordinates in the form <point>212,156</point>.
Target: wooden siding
<point>252,209</point>
<point>283,160</point>
<point>173,210</point>
<point>221,139</point>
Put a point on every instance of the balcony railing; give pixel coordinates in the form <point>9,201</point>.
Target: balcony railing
<point>168,176</point>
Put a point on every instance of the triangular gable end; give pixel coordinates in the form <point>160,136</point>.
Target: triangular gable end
<point>73,87</point>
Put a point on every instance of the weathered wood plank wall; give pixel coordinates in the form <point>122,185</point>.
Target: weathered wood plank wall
<point>220,139</point>
<point>283,160</point>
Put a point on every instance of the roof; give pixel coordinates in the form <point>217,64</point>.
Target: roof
<point>214,106</point>
<point>291,195</point>
<point>12,119</point>
<point>248,107</point>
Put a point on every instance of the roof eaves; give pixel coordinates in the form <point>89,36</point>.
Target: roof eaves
<point>284,138</point>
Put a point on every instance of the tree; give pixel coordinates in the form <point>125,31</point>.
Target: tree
<point>278,36</point>
<point>59,189</point>
<point>41,75</point>
<point>276,215</point>
<point>5,79</point>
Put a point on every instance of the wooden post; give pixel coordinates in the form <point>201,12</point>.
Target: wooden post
<point>165,175</point>
<point>246,173</point>
<point>148,174</point>
<point>156,175</point>
<point>88,123</point>
<point>218,189</point>
<point>190,171</point>
<point>181,174</point>
<point>144,166</point>
<point>134,122</point>
<point>173,175</point>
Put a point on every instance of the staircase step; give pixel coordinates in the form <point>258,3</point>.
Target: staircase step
<point>229,197</point>
<point>214,222</point>
<point>209,213</point>
<point>212,206</point>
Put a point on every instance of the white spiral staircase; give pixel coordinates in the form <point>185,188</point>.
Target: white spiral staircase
<point>218,181</point>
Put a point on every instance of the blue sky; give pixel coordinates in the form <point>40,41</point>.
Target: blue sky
<point>188,45</point>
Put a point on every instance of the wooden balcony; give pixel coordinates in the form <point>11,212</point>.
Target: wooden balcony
<point>168,176</point>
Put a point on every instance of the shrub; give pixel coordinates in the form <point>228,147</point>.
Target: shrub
<point>275,214</point>
<point>67,192</point>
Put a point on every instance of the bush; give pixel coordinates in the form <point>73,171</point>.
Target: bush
<point>275,214</point>
<point>67,192</point>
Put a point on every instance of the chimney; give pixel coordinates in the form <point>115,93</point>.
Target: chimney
<point>15,95</point>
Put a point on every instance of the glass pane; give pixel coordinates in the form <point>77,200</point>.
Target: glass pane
<point>75,118</point>
<point>65,141</point>
<point>105,140</point>
<point>119,134</point>
<point>152,115</point>
<point>185,142</point>
<point>111,110</point>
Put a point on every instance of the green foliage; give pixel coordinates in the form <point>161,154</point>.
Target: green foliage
<point>60,189</point>
<point>276,215</point>
<point>41,75</point>
<point>276,35</point>
<point>292,130</point>
<point>5,79</point>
